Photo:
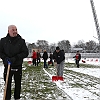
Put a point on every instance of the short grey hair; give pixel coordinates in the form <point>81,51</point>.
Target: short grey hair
<point>11,26</point>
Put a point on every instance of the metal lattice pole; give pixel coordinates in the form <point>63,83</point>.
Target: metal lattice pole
<point>95,20</point>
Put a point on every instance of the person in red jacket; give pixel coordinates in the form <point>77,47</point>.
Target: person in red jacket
<point>77,58</point>
<point>34,56</point>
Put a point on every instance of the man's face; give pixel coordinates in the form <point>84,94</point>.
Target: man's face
<point>12,30</point>
<point>37,50</point>
<point>77,52</point>
<point>57,51</point>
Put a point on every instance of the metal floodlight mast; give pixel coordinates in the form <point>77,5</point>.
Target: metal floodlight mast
<point>95,20</point>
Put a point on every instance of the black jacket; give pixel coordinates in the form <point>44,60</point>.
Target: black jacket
<point>54,55</point>
<point>45,55</point>
<point>59,57</point>
<point>51,56</point>
<point>13,47</point>
<point>38,55</point>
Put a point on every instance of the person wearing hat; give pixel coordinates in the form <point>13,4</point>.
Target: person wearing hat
<point>60,58</point>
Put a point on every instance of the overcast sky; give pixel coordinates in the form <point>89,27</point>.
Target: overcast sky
<point>50,20</point>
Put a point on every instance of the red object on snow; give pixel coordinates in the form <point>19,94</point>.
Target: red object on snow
<point>83,61</point>
<point>29,62</point>
<point>61,78</point>
<point>49,62</point>
<point>56,78</point>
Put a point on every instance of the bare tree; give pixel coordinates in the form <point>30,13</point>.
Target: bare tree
<point>90,46</point>
<point>80,44</point>
<point>52,47</point>
<point>43,44</point>
<point>65,45</point>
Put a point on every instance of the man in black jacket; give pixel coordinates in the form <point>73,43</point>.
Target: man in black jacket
<point>45,57</point>
<point>59,57</point>
<point>13,49</point>
<point>38,57</point>
<point>51,59</point>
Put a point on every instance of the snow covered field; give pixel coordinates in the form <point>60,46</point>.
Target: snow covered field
<point>79,83</point>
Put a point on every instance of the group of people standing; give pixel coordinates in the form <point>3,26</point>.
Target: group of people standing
<point>36,58</point>
<point>58,57</point>
<point>53,57</point>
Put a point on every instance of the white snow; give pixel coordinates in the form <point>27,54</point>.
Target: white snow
<point>74,93</point>
<point>90,71</point>
<point>79,93</point>
<point>1,81</point>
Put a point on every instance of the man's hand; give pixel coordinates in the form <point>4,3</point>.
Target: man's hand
<point>11,60</point>
<point>55,64</point>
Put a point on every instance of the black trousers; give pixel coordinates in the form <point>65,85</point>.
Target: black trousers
<point>17,74</point>
<point>38,61</point>
<point>34,62</point>
<point>77,63</point>
<point>51,60</point>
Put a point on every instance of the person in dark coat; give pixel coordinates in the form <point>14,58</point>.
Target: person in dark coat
<point>51,59</point>
<point>45,57</point>
<point>54,55</point>
<point>60,58</point>
<point>13,49</point>
<point>38,57</point>
<point>77,58</point>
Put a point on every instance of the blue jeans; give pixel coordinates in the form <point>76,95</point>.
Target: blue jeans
<point>45,64</point>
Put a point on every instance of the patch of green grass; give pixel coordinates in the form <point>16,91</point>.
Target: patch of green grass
<point>36,85</point>
<point>81,80</point>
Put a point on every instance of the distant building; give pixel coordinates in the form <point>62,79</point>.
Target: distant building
<point>31,50</point>
<point>37,49</point>
<point>76,49</point>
